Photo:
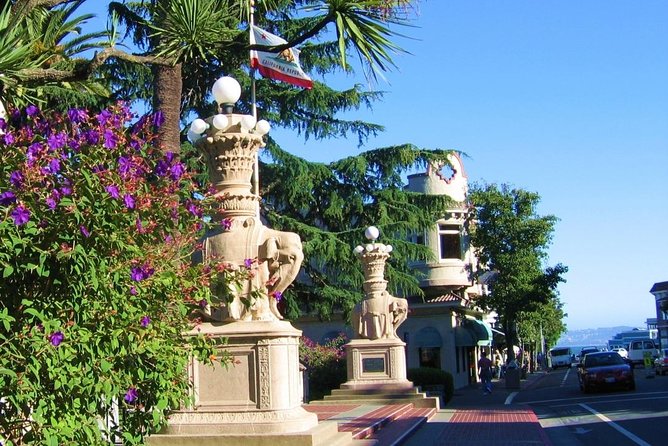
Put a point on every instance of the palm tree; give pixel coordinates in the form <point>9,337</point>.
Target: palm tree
<point>203,39</point>
<point>39,43</point>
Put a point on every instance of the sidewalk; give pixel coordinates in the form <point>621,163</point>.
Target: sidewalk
<point>473,418</point>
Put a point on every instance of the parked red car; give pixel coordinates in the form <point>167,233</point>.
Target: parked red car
<point>599,370</point>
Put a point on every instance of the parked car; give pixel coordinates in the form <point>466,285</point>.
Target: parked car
<point>639,348</point>
<point>661,363</point>
<point>605,369</point>
<point>561,357</point>
<point>622,352</point>
<point>586,350</point>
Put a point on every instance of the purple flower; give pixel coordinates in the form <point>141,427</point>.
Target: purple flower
<point>110,139</point>
<point>84,231</point>
<point>145,320</point>
<point>56,338</point>
<point>20,215</point>
<point>133,290</point>
<point>139,225</point>
<point>7,198</point>
<point>103,116</point>
<point>33,152</point>
<point>161,168</point>
<point>9,138</point>
<point>158,118</point>
<point>203,303</point>
<point>226,223</point>
<point>248,263</point>
<point>77,115</point>
<point>193,209</point>
<point>177,171</point>
<point>51,202</point>
<point>3,124</point>
<point>137,274</point>
<point>112,190</point>
<point>124,165</point>
<point>92,136</point>
<point>54,166</point>
<point>136,145</point>
<point>277,295</point>
<point>16,178</point>
<point>131,395</point>
<point>56,141</point>
<point>129,201</point>
<point>32,110</point>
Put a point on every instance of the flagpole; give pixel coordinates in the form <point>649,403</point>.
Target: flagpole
<point>256,169</point>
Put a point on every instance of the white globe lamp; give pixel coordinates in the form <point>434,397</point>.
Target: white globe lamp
<point>220,122</point>
<point>227,92</point>
<point>262,127</point>
<point>199,126</point>
<point>372,233</point>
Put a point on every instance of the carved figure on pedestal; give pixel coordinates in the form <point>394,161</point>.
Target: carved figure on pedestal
<point>379,315</point>
<point>272,257</point>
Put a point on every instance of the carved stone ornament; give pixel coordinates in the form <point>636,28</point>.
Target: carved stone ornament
<point>276,256</point>
<point>379,315</point>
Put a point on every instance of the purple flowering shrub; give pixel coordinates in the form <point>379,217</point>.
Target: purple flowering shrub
<point>97,231</point>
<point>325,364</point>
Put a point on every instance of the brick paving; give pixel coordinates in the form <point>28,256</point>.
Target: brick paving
<point>498,426</point>
<point>326,411</point>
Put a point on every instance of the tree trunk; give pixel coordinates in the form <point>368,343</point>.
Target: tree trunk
<point>511,336</point>
<point>167,99</point>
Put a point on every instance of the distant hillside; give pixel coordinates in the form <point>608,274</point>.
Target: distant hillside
<point>591,336</point>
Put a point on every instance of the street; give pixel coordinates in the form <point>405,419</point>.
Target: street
<point>611,417</point>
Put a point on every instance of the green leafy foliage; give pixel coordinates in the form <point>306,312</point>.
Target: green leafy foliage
<point>325,364</point>
<point>331,205</point>
<point>97,231</point>
<point>511,242</point>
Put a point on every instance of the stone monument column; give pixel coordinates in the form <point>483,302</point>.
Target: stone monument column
<point>376,358</point>
<point>260,393</point>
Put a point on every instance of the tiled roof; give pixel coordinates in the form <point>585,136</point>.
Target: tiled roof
<point>659,286</point>
<point>450,297</point>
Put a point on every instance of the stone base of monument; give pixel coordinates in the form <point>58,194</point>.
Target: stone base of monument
<point>377,375</point>
<point>260,393</point>
<point>376,364</point>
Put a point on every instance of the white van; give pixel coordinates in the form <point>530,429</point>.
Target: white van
<point>561,357</point>
<point>638,348</point>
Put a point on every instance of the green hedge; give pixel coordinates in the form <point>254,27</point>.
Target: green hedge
<point>428,376</point>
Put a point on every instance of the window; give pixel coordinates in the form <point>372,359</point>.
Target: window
<point>417,238</point>
<point>450,241</point>
<point>430,357</point>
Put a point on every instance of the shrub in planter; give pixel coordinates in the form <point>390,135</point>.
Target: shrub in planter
<point>426,377</point>
<point>97,229</point>
<point>325,365</point>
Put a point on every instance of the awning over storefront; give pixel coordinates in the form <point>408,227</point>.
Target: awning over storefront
<point>428,337</point>
<point>464,337</point>
<point>481,331</point>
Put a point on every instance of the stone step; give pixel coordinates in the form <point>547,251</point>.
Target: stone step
<point>366,425</point>
<point>395,432</point>
<point>419,400</point>
<point>407,391</point>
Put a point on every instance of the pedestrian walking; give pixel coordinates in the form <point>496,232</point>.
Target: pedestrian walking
<point>485,373</point>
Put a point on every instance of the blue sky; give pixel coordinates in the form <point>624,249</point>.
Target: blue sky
<point>566,98</point>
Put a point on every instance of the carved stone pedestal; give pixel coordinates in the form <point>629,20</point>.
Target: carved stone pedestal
<point>378,364</point>
<point>259,394</point>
